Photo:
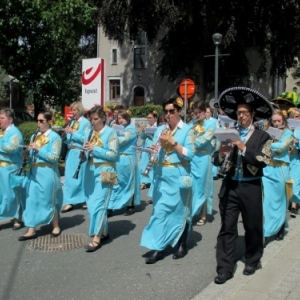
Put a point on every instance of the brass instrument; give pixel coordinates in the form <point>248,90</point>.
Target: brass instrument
<point>25,154</point>
<point>82,157</point>
<point>153,155</point>
<point>198,126</point>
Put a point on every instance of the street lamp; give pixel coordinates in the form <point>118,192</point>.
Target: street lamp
<point>217,38</point>
<point>10,91</point>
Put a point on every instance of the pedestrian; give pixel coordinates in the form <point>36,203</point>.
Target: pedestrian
<point>11,141</point>
<point>241,190</point>
<point>103,149</point>
<point>274,180</point>
<point>75,133</point>
<point>170,221</point>
<point>43,189</point>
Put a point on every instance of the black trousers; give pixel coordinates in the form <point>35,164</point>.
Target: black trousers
<point>237,197</point>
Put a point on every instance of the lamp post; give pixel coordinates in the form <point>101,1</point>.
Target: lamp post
<point>217,38</point>
<point>10,92</point>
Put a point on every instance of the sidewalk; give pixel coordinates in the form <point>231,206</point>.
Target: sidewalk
<point>278,278</point>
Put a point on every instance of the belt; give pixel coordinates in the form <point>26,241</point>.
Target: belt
<point>102,164</point>
<point>174,165</point>
<point>277,163</point>
<point>75,147</point>
<point>42,165</point>
<point>125,154</point>
<point>202,150</point>
<point>5,163</point>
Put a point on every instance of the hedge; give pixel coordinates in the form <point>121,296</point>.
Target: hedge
<point>142,111</point>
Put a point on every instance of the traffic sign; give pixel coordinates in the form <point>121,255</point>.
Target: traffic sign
<point>187,88</point>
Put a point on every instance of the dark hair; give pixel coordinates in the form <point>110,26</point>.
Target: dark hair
<point>125,115</point>
<point>99,111</point>
<point>8,112</point>
<point>48,115</point>
<point>174,102</point>
<point>199,105</point>
<point>119,107</point>
<point>161,118</point>
<point>153,113</point>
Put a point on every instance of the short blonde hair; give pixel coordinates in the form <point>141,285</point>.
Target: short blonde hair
<point>293,111</point>
<point>79,106</point>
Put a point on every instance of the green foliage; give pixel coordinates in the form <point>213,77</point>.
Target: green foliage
<point>59,119</point>
<point>3,93</point>
<point>27,129</point>
<point>142,111</point>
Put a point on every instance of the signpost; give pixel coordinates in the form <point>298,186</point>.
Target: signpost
<point>186,90</point>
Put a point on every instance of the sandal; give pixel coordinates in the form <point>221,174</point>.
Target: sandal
<point>67,208</point>
<point>17,226</point>
<point>201,222</point>
<point>92,248</point>
<point>144,186</point>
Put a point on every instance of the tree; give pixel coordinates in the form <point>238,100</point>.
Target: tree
<point>3,92</point>
<point>43,43</point>
<point>271,27</point>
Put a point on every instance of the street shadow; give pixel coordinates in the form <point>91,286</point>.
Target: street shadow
<point>119,228</point>
<point>138,208</point>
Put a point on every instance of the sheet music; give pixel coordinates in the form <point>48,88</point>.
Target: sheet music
<point>293,123</point>
<point>119,129</point>
<point>225,121</point>
<point>275,133</point>
<point>227,135</point>
<point>150,130</point>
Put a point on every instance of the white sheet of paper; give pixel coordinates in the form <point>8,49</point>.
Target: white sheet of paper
<point>293,123</point>
<point>275,133</point>
<point>119,129</point>
<point>225,121</point>
<point>227,135</point>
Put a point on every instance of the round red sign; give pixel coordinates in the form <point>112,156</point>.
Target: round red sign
<point>187,88</point>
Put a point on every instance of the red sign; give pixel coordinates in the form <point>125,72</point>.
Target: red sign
<point>187,88</point>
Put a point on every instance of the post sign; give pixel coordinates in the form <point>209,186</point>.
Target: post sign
<point>92,80</point>
<point>187,88</point>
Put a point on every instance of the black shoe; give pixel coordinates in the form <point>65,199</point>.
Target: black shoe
<point>54,235</point>
<point>157,255</point>
<point>249,270</point>
<point>181,252</point>
<point>92,248</point>
<point>129,212</point>
<point>65,210</point>
<point>104,237</point>
<point>280,234</point>
<point>267,241</point>
<point>150,202</point>
<point>293,212</point>
<point>222,278</point>
<point>109,213</point>
<point>25,238</point>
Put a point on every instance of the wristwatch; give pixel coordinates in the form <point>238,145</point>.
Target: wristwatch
<point>175,144</point>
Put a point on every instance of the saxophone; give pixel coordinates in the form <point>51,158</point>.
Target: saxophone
<point>153,155</point>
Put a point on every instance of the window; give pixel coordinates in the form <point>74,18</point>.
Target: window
<point>114,89</point>
<point>114,56</point>
<point>140,58</point>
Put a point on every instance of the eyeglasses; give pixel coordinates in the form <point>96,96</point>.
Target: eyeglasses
<point>41,121</point>
<point>243,112</point>
<point>171,111</point>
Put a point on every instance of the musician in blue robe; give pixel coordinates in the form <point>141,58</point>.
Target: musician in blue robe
<point>43,187</point>
<point>275,175</point>
<point>103,153</point>
<point>294,113</point>
<point>127,192</point>
<point>147,138</point>
<point>201,166</point>
<point>75,138</point>
<point>11,140</point>
<point>170,221</point>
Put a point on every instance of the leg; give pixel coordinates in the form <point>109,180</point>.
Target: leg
<point>55,224</point>
<point>202,220</point>
<point>29,235</point>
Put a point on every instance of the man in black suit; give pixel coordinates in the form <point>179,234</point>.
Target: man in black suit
<point>241,190</point>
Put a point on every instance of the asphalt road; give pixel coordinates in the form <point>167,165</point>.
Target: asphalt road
<point>116,271</point>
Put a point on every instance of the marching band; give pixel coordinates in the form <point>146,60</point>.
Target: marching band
<point>177,163</point>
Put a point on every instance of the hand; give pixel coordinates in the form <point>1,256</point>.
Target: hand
<point>239,144</point>
<point>88,147</point>
<point>224,149</point>
<point>166,138</point>
<point>33,146</point>
<point>143,126</point>
<point>68,129</point>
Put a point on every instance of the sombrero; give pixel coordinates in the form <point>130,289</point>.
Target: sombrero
<point>232,97</point>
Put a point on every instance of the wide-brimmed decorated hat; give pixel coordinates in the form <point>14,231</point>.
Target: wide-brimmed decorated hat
<point>232,97</point>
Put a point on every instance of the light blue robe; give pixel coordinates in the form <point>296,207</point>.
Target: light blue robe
<point>171,205</point>
<point>201,166</point>
<point>43,189</point>
<point>97,193</point>
<point>128,172</point>
<point>274,199</point>
<point>144,159</point>
<point>74,188</point>
<point>10,160</point>
<point>295,168</point>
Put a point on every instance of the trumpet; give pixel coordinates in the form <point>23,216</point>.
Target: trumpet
<point>153,155</point>
<point>25,154</point>
<point>82,157</point>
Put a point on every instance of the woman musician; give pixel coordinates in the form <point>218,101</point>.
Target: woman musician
<point>43,189</point>
<point>294,113</point>
<point>103,149</point>
<point>276,173</point>
<point>76,131</point>
<point>10,161</point>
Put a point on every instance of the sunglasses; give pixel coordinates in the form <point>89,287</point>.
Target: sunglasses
<point>41,121</point>
<point>171,111</point>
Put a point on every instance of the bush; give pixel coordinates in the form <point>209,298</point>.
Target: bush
<point>27,129</point>
<point>142,111</point>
